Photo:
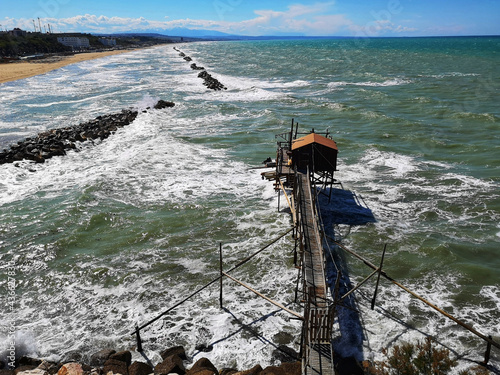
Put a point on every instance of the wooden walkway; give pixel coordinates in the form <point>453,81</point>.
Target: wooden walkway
<point>317,353</point>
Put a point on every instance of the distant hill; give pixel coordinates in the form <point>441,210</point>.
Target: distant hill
<point>186,33</point>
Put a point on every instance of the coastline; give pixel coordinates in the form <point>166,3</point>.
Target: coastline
<point>20,70</point>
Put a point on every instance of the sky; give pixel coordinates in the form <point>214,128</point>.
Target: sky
<point>260,17</point>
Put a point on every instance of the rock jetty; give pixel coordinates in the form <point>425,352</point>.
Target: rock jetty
<point>56,142</point>
<point>195,67</point>
<point>110,362</point>
<point>209,81</point>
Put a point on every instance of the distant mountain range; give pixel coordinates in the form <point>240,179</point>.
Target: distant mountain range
<point>183,32</point>
<point>201,34</point>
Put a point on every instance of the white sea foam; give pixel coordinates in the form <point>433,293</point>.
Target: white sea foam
<point>386,83</point>
<point>163,164</point>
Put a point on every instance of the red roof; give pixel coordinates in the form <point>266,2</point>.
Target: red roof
<point>314,138</point>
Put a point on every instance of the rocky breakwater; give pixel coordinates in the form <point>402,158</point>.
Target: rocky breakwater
<point>209,81</point>
<point>109,362</point>
<point>56,142</point>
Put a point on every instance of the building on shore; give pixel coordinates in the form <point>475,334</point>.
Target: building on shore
<point>108,41</point>
<point>73,41</point>
<point>17,32</point>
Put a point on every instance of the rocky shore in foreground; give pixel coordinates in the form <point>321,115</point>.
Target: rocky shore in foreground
<point>56,142</point>
<point>110,362</point>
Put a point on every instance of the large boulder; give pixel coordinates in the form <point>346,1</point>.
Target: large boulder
<point>256,370</point>
<point>175,350</point>
<point>139,368</point>
<point>51,368</point>
<point>115,366</point>
<point>203,367</point>
<point>287,368</point>
<point>100,357</point>
<point>72,368</point>
<point>170,365</point>
<point>124,356</point>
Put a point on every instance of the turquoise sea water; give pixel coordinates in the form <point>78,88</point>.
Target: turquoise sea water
<point>117,233</point>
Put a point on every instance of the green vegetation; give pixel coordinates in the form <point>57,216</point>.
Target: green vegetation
<point>418,359</point>
<point>38,43</point>
<point>31,43</point>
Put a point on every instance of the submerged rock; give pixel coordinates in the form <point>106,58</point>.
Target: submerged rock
<point>163,104</point>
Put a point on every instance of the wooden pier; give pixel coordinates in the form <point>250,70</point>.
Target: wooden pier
<point>303,169</point>
<point>313,293</point>
<point>317,355</point>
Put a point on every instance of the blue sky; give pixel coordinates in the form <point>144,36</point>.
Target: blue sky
<point>259,17</point>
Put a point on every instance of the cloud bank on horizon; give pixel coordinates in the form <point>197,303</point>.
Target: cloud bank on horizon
<point>340,18</point>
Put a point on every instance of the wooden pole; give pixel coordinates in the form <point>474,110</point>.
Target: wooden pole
<point>487,353</point>
<point>378,277</point>
<point>221,274</point>
<point>138,337</point>
<point>279,194</point>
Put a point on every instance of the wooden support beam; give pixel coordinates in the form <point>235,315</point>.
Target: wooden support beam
<point>288,200</point>
<point>266,298</point>
<point>360,284</point>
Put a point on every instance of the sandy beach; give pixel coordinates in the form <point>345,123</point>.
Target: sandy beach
<point>19,70</point>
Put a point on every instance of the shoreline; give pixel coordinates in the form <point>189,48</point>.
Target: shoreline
<point>10,72</point>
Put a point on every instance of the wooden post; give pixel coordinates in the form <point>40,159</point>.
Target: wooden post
<point>378,278</point>
<point>138,337</point>
<point>221,274</point>
<point>487,353</point>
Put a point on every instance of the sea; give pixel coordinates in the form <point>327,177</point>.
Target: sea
<point>118,231</point>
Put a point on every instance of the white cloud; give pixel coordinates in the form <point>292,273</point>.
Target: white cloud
<point>379,27</point>
<point>314,19</point>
